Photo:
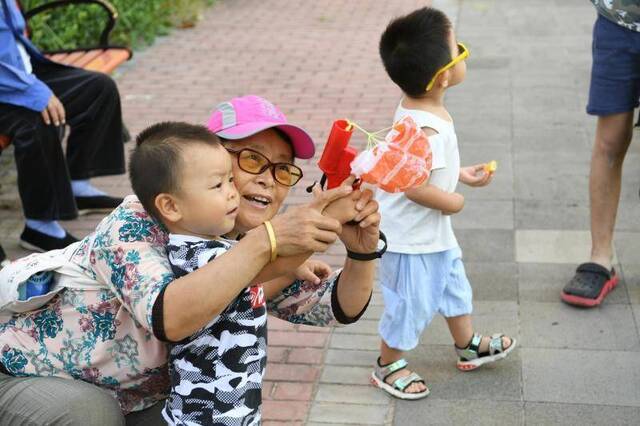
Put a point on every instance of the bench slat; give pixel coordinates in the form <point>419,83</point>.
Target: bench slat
<point>88,56</point>
<point>58,57</point>
<point>72,57</point>
<point>108,60</point>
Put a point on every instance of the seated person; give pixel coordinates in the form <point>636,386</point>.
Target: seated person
<point>37,99</point>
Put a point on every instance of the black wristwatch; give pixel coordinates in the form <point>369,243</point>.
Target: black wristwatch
<point>369,256</point>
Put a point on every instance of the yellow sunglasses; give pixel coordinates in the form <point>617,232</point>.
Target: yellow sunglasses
<point>464,54</point>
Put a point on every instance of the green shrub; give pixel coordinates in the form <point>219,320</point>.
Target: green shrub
<point>139,22</point>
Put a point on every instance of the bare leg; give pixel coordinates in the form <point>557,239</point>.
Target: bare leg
<point>613,136</point>
<point>462,331</point>
<point>389,355</point>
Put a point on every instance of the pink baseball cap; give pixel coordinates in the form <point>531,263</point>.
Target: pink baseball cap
<point>247,115</point>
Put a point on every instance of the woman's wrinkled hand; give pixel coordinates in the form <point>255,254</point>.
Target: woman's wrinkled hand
<point>303,229</point>
<point>362,235</point>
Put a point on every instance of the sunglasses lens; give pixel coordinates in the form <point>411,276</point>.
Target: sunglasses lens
<point>287,174</point>
<point>252,162</point>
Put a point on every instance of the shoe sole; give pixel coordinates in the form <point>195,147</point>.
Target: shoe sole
<point>375,381</point>
<point>26,245</point>
<point>478,362</point>
<point>85,212</point>
<point>590,303</point>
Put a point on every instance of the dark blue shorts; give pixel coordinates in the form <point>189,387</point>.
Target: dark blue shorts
<point>615,74</point>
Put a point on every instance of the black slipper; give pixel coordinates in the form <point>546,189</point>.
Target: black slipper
<point>590,285</point>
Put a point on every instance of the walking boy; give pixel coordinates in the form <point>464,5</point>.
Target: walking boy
<point>422,272</point>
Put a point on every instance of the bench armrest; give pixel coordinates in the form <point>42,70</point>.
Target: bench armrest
<point>112,14</point>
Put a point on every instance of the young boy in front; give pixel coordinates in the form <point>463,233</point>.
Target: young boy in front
<point>182,175</point>
<point>422,272</point>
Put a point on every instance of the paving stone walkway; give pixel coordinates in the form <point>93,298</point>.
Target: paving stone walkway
<point>523,105</point>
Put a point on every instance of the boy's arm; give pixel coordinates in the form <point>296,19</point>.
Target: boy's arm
<point>431,196</point>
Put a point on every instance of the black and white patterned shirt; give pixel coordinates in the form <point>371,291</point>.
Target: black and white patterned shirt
<point>216,374</point>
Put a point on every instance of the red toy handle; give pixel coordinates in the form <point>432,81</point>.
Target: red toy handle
<point>337,156</point>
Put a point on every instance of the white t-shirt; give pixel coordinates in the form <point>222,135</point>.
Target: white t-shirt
<point>411,228</point>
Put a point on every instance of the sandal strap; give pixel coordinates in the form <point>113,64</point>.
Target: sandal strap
<point>384,371</point>
<point>495,344</point>
<point>403,382</point>
<point>472,350</point>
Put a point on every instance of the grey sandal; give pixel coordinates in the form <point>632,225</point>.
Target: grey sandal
<point>471,358</point>
<point>399,386</point>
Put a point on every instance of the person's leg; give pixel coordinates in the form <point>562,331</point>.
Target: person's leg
<point>43,179</point>
<point>95,144</point>
<point>456,306</point>
<point>92,104</point>
<point>461,329</point>
<point>614,92</point>
<point>408,299</point>
<point>35,401</point>
<point>613,136</point>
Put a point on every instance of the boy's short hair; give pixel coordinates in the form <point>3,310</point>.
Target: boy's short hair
<point>414,47</point>
<point>156,161</point>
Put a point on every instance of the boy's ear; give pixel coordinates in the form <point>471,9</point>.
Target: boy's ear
<point>443,79</point>
<point>168,207</point>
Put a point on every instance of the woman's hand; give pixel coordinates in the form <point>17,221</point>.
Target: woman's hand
<point>475,175</point>
<point>363,235</point>
<point>304,229</point>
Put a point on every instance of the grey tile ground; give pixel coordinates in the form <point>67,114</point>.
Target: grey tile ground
<point>436,411</point>
<point>602,377</point>
<point>538,414</point>
<point>493,280</point>
<point>557,325</point>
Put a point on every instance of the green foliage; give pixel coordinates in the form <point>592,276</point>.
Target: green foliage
<point>139,22</point>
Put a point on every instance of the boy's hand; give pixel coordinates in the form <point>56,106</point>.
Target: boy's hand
<point>344,209</point>
<point>475,175</point>
<point>313,271</point>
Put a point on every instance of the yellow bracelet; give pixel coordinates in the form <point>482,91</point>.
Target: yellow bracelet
<point>272,240</point>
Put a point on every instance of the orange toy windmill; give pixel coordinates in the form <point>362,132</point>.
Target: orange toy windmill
<point>400,161</point>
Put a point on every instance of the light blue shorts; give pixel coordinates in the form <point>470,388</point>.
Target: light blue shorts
<point>417,286</point>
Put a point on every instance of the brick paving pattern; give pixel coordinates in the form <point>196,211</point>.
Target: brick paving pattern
<point>523,105</point>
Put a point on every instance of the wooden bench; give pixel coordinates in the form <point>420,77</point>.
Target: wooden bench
<point>102,58</point>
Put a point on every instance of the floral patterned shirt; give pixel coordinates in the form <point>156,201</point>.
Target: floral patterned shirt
<point>105,336</point>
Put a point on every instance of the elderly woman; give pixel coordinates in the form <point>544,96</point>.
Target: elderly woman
<point>110,339</point>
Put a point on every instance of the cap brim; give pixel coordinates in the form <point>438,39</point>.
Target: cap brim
<point>303,146</point>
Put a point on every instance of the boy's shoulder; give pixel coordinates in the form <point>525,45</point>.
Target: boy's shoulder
<point>425,119</point>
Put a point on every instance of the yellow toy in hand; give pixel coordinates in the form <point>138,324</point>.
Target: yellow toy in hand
<point>491,166</point>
